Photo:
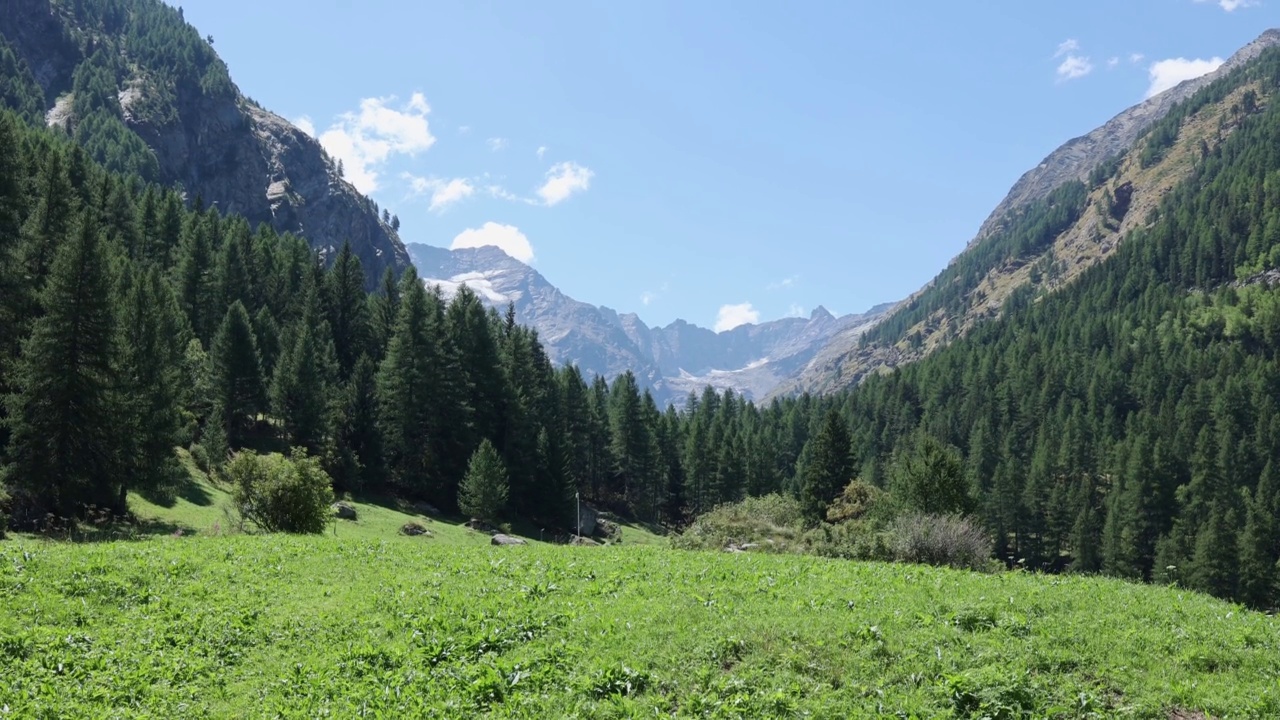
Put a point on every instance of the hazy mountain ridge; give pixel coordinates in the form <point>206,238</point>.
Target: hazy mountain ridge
<point>206,137</point>
<point>671,361</point>
<point>846,359</point>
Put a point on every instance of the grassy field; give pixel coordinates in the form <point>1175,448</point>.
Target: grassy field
<point>184,617</point>
<point>350,626</point>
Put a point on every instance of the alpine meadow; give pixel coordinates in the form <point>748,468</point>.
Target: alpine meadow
<point>255,463</point>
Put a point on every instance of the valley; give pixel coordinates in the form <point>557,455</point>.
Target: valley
<point>260,457</point>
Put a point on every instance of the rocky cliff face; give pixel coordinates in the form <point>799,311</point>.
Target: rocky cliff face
<point>208,139</point>
<point>671,361</point>
<point>1078,157</point>
<point>844,361</point>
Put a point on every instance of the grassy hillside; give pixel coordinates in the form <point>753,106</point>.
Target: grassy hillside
<point>273,626</point>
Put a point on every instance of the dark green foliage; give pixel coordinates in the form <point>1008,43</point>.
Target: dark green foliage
<point>281,494</point>
<point>300,391</point>
<point>828,467</point>
<point>928,477</point>
<point>64,445</point>
<point>152,341</point>
<point>18,87</point>
<point>237,385</point>
<point>484,489</point>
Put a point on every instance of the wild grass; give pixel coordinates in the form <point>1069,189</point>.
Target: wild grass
<point>278,626</point>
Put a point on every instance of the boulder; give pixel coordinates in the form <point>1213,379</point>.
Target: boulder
<point>478,526</point>
<point>344,511</point>
<point>587,523</point>
<point>425,508</point>
<point>501,539</point>
<point>413,529</point>
<point>579,540</point>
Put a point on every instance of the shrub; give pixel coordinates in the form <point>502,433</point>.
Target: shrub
<point>857,501</point>
<point>279,494</point>
<point>772,519</point>
<point>853,540</point>
<point>944,540</point>
<point>200,457</point>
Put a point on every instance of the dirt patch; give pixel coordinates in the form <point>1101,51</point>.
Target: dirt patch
<point>1180,714</point>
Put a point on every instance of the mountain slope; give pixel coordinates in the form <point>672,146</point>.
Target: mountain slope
<point>671,361</point>
<point>1049,228</point>
<point>139,88</point>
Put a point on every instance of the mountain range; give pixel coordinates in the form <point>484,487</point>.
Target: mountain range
<point>670,361</point>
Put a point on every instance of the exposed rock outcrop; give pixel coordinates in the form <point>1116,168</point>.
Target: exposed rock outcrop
<point>212,142</point>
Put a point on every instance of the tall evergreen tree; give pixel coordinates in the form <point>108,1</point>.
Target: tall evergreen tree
<point>484,490</point>
<point>62,451</point>
<point>829,467</point>
<point>237,385</point>
<point>347,310</point>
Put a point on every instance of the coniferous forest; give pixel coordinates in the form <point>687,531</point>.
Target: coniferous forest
<point>1126,424</point>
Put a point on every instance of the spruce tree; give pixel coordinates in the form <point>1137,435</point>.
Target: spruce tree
<point>63,450</point>
<point>347,310</point>
<point>300,389</point>
<point>405,393</point>
<point>484,490</point>
<point>238,394</point>
<point>384,309</point>
<point>151,383</point>
<point>929,478</point>
<point>829,467</point>
<point>358,437</point>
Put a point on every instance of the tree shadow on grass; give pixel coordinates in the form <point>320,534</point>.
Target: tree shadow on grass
<point>114,530</point>
<point>184,486</point>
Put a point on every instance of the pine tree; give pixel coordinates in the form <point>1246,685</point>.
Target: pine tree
<point>300,388</point>
<point>238,394</point>
<point>62,419</point>
<point>384,308</point>
<point>1260,542</point>
<point>829,467</point>
<point>197,287</point>
<point>152,341</point>
<point>358,436</point>
<point>347,310</point>
<point>483,492</point>
<point>405,393</point>
<point>929,478</point>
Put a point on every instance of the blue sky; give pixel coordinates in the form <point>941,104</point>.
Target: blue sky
<point>719,161</point>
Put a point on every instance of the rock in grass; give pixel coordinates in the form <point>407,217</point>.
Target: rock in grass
<point>501,539</point>
<point>344,511</point>
<point>413,529</point>
<point>579,540</point>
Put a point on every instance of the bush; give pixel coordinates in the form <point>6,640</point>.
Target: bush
<point>853,540</point>
<point>944,540</point>
<point>279,494</point>
<point>858,500</point>
<point>775,520</point>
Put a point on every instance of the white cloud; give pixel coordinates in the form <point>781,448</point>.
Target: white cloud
<point>464,129</point>
<point>1231,5</point>
<point>783,283</point>
<point>542,150</point>
<point>647,297</point>
<point>508,238</point>
<point>796,310</point>
<point>443,192</point>
<point>1074,67</point>
<point>1169,73</point>
<point>563,180</point>
<point>1112,62</point>
<point>1069,45</point>
<point>496,144</point>
<point>365,140</point>
<point>1136,58</point>
<point>305,125</point>
<point>731,316</point>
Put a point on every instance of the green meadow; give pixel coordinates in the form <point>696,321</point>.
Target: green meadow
<point>365,622</point>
